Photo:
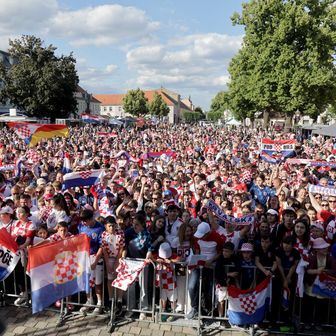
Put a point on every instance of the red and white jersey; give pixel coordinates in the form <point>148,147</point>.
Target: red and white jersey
<point>57,237</point>
<point>233,237</point>
<point>113,244</point>
<point>20,228</point>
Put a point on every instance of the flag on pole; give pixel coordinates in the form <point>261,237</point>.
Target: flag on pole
<point>58,269</point>
<point>249,306</point>
<point>9,255</point>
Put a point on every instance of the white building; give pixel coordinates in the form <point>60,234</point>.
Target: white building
<point>112,104</point>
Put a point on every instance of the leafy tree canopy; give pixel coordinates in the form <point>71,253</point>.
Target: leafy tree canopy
<point>286,63</point>
<point>39,82</point>
<point>158,106</point>
<point>135,103</point>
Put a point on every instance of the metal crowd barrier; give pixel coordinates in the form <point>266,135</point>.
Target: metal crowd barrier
<point>133,302</point>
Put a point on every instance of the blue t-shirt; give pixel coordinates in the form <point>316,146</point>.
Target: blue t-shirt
<point>95,235</point>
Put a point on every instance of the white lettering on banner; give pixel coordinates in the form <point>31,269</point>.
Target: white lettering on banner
<point>245,220</point>
<point>321,190</point>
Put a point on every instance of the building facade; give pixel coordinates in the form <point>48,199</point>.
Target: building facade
<point>112,104</point>
<point>86,103</point>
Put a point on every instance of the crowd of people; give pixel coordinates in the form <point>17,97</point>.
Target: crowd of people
<point>151,203</point>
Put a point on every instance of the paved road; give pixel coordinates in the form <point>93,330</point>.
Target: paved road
<point>20,321</point>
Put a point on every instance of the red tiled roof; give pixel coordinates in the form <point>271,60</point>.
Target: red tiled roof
<point>117,99</point>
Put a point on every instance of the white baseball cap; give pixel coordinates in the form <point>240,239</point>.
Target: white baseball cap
<point>165,251</point>
<point>202,229</point>
<point>6,210</point>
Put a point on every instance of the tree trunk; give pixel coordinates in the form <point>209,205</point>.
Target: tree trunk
<point>288,123</point>
<point>266,119</point>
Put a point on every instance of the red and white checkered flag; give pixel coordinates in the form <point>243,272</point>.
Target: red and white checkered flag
<point>33,156</point>
<point>128,271</point>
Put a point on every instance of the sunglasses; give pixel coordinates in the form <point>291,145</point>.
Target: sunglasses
<point>332,201</point>
<point>324,205</point>
<point>318,197</point>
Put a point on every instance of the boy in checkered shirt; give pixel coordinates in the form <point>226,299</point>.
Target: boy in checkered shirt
<point>166,280</point>
<point>113,243</point>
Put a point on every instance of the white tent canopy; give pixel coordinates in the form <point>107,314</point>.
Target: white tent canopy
<point>234,122</point>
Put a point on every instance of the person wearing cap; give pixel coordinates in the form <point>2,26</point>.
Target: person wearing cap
<point>113,244</point>
<point>166,280</point>
<point>209,244</point>
<point>319,261</point>
<point>272,217</point>
<point>6,218</point>
<point>246,266</point>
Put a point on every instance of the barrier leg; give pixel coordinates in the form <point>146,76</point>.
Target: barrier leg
<point>61,315</point>
<point>111,322</point>
<point>199,329</point>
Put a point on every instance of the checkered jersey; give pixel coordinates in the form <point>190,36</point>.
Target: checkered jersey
<point>56,237</point>
<point>303,250</point>
<point>45,213</point>
<point>20,228</point>
<point>165,277</point>
<point>113,244</point>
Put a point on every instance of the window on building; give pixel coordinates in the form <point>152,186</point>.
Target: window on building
<point>105,108</point>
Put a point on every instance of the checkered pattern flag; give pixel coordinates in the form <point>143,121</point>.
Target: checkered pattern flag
<point>249,306</point>
<point>34,156</point>
<point>128,271</point>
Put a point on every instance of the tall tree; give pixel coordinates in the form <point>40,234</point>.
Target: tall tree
<point>39,82</point>
<point>220,103</point>
<point>286,63</point>
<point>135,103</point>
<point>158,106</point>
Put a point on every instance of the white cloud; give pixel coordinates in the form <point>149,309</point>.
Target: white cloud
<point>194,61</point>
<point>102,25</point>
<point>27,15</point>
<point>191,64</point>
<point>95,78</point>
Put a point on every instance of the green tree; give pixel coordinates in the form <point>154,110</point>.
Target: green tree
<point>215,115</point>
<point>286,62</point>
<point>220,102</point>
<point>199,110</point>
<point>158,106</point>
<point>39,82</point>
<point>135,103</point>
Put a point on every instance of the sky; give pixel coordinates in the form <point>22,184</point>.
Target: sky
<point>182,45</point>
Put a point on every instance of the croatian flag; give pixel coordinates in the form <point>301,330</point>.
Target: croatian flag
<point>66,164</point>
<point>89,118</point>
<point>82,178</point>
<point>325,285</point>
<point>249,306</point>
<point>274,151</point>
<point>9,254</point>
<point>58,269</point>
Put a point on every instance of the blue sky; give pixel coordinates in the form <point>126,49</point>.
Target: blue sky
<point>183,45</point>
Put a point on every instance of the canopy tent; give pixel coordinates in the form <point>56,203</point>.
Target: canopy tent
<point>234,122</point>
<point>326,131</point>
